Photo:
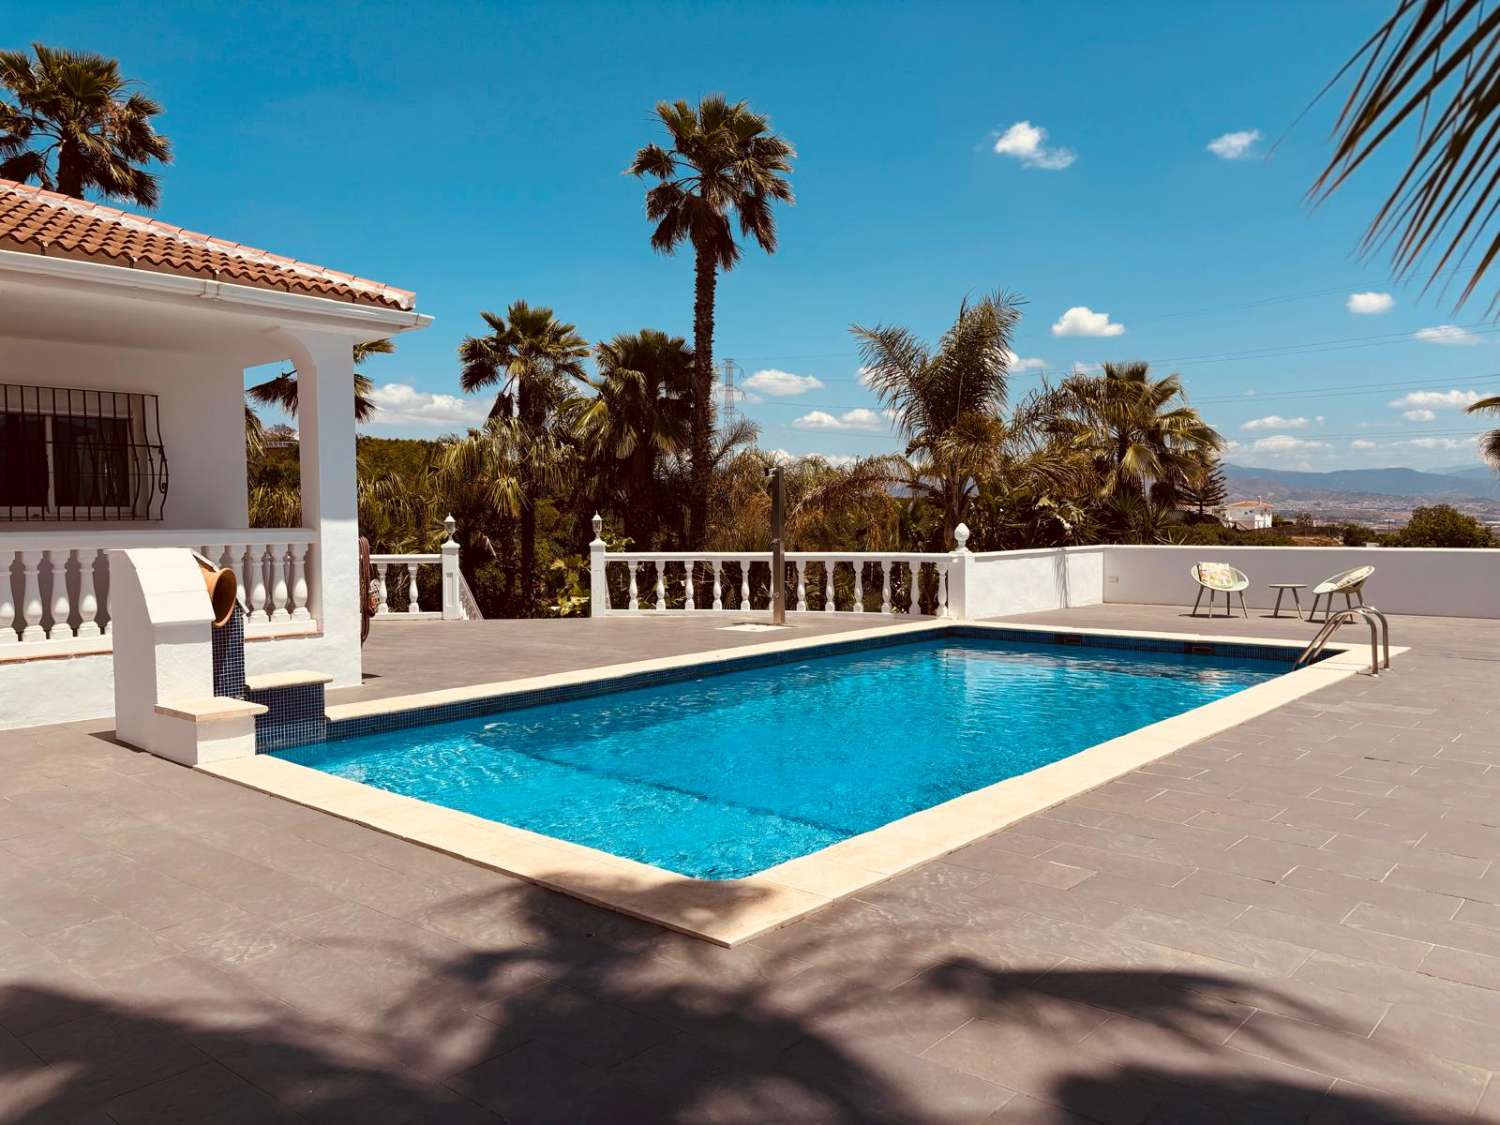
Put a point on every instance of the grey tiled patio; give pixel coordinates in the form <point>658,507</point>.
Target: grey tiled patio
<point>1298,920</point>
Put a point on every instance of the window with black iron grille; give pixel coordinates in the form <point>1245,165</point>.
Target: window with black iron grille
<point>67,453</point>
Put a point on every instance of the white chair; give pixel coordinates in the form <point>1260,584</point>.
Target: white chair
<point>1350,583</point>
<point>1219,578</point>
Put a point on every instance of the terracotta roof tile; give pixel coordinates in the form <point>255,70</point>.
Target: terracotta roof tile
<point>45,222</point>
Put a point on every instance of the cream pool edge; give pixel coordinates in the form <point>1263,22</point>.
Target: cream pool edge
<point>731,911</point>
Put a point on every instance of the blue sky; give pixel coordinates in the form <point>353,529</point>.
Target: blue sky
<point>474,153</point>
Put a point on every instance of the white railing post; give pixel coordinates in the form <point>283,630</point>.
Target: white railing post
<point>8,623</point>
<point>453,609</point>
<point>745,584</point>
<point>412,603</point>
<point>801,585</point>
<point>279,600</point>
<point>88,599</point>
<point>383,576</point>
<point>859,584</point>
<point>62,608</point>
<point>299,582</point>
<point>661,586</point>
<point>689,603</point>
<point>598,578</point>
<point>828,568</point>
<point>635,593</point>
<point>31,597</point>
<point>957,575</point>
<point>255,581</point>
<point>885,587</point>
<point>718,585</point>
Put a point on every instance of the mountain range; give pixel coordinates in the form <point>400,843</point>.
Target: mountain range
<point>1477,482</point>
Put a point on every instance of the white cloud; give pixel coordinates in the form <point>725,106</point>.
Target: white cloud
<point>1081,320</point>
<point>1285,443</point>
<point>782,383</point>
<point>1450,335</point>
<point>840,460</point>
<point>1437,442</point>
<point>1234,146</point>
<point>401,403</point>
<point>1363,443</point>
<point>1017,364</point>
<point>1026,143</point>
<point>1419,415</point>
<point>860,419</point>
<point>1277,422</point>
<point>1368,304</point>
<point>1451,400</point>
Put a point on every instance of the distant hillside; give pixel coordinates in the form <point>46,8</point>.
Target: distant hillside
<point>1480,484</point>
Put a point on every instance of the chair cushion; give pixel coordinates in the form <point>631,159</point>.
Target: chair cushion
<point>1219,576</point>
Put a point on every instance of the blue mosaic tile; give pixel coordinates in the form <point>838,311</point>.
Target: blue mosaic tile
<point>229,656</point>
<point>295,715</point>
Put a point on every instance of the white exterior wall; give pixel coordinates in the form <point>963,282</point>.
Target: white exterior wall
<point>200,397</point>
<point>1438,582</point>
<point>1000,583</point>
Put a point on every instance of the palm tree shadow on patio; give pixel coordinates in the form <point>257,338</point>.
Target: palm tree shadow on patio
<point>567,1013</point>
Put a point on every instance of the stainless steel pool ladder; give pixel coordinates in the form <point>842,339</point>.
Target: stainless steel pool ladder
<point>1380,638</point>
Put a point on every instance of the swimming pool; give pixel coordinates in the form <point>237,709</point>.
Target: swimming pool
<point>724,775</point>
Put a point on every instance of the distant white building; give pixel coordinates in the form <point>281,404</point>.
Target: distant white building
<point>1247,515</point>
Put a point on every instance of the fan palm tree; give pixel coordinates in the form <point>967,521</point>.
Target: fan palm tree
<point>73,124</point>
<point>1489,444</point>
<point>281,391</point>
<point>530,355</point>
<point>1136,432</point>
<point>723,161</point>
<point>947,402</point>
<point>1434,64</point>
<point>640,413</point>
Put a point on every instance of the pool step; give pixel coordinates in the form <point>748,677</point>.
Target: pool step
<point>210,729</point>
<point>294,703</point>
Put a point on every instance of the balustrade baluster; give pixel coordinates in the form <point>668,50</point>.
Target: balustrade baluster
<point>718,584</point>
<point>801,585</point>
<point>279,611</point>
<point>633,568</point>
<point>62,608</point>
<point>687,583</point>
<point>31,597</point>
<point>88,600</point>
<point>255,582</point>
<point>828,569</point>
<point>8,622</point>
<point>382,575</point>
<point>915,607</point>
<point>412,604</point>
<point>229,559</point>
<point>745,584</point>
<point>661,587</point>
<point>300,611</point>
<point>859,585</point>
<point>885,586</point>
<point>942,588</point>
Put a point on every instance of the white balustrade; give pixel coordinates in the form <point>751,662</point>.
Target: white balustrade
<point>398,573</point>
<point>54,585</point>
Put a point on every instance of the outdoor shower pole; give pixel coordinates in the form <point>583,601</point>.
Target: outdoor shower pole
<point>778,549</point>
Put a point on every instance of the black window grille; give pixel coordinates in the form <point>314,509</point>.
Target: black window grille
<point>67,453</point>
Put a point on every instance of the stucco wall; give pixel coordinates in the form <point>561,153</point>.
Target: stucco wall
<point>1007,582</point>
<point>1427,582</point>
<point>202,421</point>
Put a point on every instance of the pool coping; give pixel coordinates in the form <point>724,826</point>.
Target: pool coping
<point>732,911</point>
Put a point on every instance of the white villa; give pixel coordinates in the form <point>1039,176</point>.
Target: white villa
<point>123,347</point>
<point>1247,515</point>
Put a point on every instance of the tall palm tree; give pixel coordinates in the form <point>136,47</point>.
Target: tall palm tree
<point>532,356</point>
<point>640,414</point>
<point>947,402</point>
<point>73,124</point>
<point>723,161</point>
<point>1489,444</point>
<point>281,391</point>
<point>1137,433</point>
<point>1435,65</point>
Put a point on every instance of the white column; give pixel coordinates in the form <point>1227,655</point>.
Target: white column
<point>31,597</point>
<point>598,576</point>
<point>325,426</point>
<point>801,585</point>
<point>412,605</point>
<point>255,581</point>
<point>885,586</point>
<point>960,574</point>
<point>8,622</point>
<point>828,568</point>
<point>279,553</point>
<point>299,582</point>
<point>942,588</point>
<point>453,609</point>
<point>687,582</point>
<point>88,600</point>
<point>745,584</point>
<point>912,570</point>
<point>383,575</point>
<point>661,587</point>
<point>718,584</point>
<point>634,568</point>
<point>62,608</point>
<point>859,585</point>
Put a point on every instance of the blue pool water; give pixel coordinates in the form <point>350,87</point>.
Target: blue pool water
<point>726,775</point>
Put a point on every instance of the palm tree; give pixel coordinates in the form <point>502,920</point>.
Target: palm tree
<point>281,391</point>
<point>947,403</point>
<point>73,124</point>
<point>1137,433</point>
<point>1489,444</point>
<point>531,355</point>
<point>1434,64</point>
<point>723,160</point>
<point>639,415</point>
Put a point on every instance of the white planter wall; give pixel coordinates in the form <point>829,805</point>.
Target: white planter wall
<point>1002,583</point>
<point>1423,581</point>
